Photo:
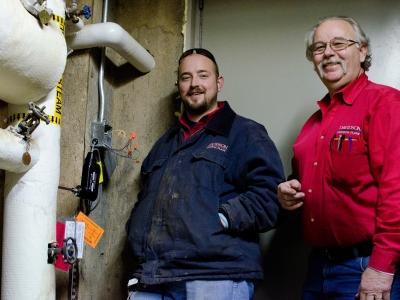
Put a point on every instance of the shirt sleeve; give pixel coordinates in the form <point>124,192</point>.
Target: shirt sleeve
<point>384,147</point>
<point>256,209</point>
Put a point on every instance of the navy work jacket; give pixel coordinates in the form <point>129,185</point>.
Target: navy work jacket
<point>230,166</point>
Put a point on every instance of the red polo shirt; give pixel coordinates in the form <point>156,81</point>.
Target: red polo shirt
<point>347,158</point>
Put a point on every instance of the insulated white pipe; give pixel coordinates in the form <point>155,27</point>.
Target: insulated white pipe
<point>32,58</point>
<point>30,217</point>
<point>114,36</point>
<point>15,155</point>
<point>31,197</point>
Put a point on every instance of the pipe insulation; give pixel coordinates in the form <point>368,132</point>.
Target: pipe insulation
<point>112,35</point>
<point>32,57</point>
<point>16,155</point>
<point>30,219</point>
<point>31,197</point>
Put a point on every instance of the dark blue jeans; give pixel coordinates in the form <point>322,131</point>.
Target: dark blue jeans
<point>338,281</point>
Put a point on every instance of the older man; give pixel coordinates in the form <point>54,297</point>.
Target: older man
<point>209,186</point>
<point>346,172</point>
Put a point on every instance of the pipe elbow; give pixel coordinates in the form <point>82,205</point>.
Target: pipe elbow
<point>112,35</point>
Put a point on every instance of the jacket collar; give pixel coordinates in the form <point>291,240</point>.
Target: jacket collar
<point>222,122</point>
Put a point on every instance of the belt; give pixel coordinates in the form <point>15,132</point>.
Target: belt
<point>339,254</point>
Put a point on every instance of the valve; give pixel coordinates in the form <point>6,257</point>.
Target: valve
<point>73,13</point>
<point>69,251</point>
<point>86,11</point>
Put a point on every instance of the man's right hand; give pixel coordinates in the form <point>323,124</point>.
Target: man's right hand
<point>289,194</point>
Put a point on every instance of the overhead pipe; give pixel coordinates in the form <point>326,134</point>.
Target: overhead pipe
<point>34,58</point>
<point>112,35</point>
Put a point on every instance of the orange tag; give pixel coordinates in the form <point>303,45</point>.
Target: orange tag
<point>93,232</point>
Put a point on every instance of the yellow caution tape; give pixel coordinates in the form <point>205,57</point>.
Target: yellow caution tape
<point>54,118</point>
<point>58,101</point>
<point>20,116</point>
<point>60,21</point>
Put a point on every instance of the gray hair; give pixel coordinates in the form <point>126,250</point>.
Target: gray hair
<point>360,37</point>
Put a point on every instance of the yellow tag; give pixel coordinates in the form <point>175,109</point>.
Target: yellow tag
<point>93,232</point>
<point>101,179</point>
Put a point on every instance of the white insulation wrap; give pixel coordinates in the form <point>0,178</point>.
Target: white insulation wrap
<point>30,218</point>
<point>112,35</point>
<point>32,68</point>
<point>12,150</point>
<point>32,57</point>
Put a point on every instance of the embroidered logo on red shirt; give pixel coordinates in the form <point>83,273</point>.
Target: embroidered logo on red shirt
<point>218,146</point>
<point>349,130</point>
<point>345,136</point>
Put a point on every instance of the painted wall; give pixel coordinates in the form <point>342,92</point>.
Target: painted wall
<point>260,49</point>
<point>3,124</point>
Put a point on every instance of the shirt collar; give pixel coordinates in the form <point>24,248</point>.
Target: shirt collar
<point>349,93</point>
<point>188,124</point>
<point>219,121</point>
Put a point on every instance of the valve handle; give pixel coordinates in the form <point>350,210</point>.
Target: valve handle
<point>86,11</point>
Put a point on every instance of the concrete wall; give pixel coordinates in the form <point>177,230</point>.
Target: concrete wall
<point>141,103</point>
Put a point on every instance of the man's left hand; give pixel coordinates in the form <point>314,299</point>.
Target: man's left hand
<point>375,285</point>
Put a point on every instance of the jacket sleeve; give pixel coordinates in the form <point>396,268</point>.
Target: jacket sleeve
<point>259,170</point>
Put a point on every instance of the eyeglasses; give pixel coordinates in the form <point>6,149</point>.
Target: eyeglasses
<point>336,44</point>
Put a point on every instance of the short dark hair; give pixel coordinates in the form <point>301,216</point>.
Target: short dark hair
<point>200,51</point>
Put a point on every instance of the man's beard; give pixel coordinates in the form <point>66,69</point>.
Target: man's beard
<point>196,109</point>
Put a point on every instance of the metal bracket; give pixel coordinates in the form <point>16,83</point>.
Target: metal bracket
<point>32,120</point>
